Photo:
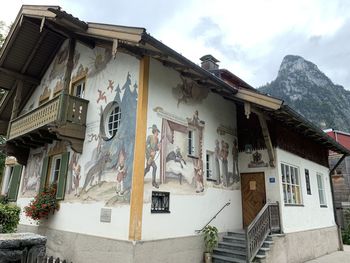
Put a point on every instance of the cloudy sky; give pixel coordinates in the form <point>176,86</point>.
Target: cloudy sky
<point>249,37</point>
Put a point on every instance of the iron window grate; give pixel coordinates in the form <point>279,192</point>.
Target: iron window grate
<point>160,202</point>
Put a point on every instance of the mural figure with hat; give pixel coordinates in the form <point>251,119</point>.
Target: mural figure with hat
<point>121,172</point>
<point>152,147</point>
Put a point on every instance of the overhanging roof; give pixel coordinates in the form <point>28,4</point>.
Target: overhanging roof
<point>39,31</point>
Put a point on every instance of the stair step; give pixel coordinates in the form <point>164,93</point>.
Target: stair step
<point>268,242</point>
<point>224,259</point>
<point>232,251</point>
<point>234,238</point>
<point>237,234</point>
<point>240,246</point>
<point>260,256</point>
<point>265,249</point>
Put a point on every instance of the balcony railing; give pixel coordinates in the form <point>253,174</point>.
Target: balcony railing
<point>59,111</point>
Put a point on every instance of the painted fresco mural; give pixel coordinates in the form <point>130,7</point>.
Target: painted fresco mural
<point>31,177</point>
<point>103,172</point>
<point>170,149</point>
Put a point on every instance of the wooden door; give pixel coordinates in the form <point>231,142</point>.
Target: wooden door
<point>253,195</point>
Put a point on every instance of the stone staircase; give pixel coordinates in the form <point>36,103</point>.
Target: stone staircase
<point>232,249</point>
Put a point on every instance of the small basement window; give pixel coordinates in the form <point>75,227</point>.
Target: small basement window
<point>160,202</point>
<point>209,166</point>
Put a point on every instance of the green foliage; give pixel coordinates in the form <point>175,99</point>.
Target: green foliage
<point>346,231</point>
<point>4,199</point>
<point>43,204</point>
<point>211,238</point>
<point>9,218</point>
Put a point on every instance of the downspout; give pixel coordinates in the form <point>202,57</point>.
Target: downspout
<point>341,247</point>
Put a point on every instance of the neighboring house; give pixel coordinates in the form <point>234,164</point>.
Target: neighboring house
<point>146,147</point>
<point>341,177</point>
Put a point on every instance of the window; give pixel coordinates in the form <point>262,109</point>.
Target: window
<point>114,121</point>
<point>110,120</point>
<point>209,166</point>
<point>291,184</point>
<point>54,171</point>
<point>192,143</point>
<point>79,88</point>
<point>307,180</point>
<point>14,181</point>
<point>321,190</point>
<point>160,202</point>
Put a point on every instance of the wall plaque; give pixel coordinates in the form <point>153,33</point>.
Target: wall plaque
<point>106,214</point>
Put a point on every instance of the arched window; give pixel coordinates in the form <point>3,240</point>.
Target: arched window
<point>110,120</point>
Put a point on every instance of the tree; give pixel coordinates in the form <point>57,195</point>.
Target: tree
<point>2,33</point>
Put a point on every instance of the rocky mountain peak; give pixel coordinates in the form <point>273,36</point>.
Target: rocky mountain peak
<point>302,85</point>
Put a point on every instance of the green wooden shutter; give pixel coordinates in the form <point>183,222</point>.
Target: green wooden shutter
<point>61,184</point>
<point>14,183</point>
<point>44,173</point>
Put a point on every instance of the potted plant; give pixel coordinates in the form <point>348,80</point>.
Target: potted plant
<point>43,204</point>
<point>211,239</point>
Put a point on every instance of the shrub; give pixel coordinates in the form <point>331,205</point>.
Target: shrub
<point>43,204</point>
<point>9,218</point>
<point>211,238</point>
<point>4,199</point>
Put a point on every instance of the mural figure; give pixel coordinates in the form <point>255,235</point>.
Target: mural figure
<point>73,163</point>
<point>152,147</point>
<point>198,171</point>
<point>224,162</point>
<point>101,96</point>
<point>121,173</point>
<point>217,156</point>
<point>189,92</point>
<point>176,156</point>
<point>96,170</point>
<point>76,179</point>
<point>110,85</point>
<point>235,171</point>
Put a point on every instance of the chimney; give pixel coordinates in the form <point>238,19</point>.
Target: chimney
<point>209,62</point>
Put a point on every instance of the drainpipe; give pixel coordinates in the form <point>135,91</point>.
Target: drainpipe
<point>341,247</point>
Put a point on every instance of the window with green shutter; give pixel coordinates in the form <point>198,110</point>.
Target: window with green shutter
<point>54,171</point>
<point>14,182</point>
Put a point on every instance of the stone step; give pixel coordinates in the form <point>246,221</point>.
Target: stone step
<point>231,245</point>
<point>230,253</point>
<point>267,243</point>
<point>260,256</point>
<point>236,234</point>
<point>264,250</point>
<point>234,239</point>
<point>224,259</point>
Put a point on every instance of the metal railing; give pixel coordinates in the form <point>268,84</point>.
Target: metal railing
<point>267,221</point>
<point>222,208</point>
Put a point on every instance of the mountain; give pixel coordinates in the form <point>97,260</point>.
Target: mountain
<point>311,93</point>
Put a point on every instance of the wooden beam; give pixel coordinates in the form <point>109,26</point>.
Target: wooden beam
<point>17,100</point>
<point>136,202</point>
<point>267,139</point>
<point>20,76</point>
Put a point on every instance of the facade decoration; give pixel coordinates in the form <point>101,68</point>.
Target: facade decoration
<point>189,92</point>
<point>256,160</point>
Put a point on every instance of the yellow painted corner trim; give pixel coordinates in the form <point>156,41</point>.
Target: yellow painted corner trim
<point>136,201</point>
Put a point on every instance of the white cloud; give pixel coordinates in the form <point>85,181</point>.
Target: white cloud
<point>249,37</point>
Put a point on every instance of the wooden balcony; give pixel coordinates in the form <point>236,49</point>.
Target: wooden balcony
<point>62,118</point>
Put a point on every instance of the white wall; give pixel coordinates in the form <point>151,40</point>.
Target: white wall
<point>310,215</point>
<point>190,211</point>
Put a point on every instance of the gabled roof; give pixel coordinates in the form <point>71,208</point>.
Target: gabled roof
<point>39,31</point>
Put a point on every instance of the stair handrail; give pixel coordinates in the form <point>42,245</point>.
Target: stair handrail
<point>222,208</point>
<point>262,225</point>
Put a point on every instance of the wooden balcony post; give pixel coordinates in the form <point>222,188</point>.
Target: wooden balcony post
<point>136,202</point>
<point>17,100</point>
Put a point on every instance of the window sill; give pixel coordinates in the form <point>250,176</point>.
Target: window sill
<point>159,212</point>
<point>299,205</point>
<point>192,156</point>
<point>323,206</point>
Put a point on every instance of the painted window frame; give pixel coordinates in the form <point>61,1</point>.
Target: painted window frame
<point>81,82</point>
<point>193,143</point>
<point>321,190</point>
<point>53,170</point>
<point>209,166</point>
<point>294,195</point>
<point>46,173</point>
